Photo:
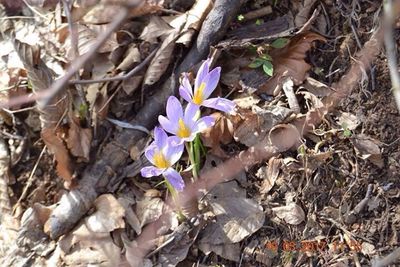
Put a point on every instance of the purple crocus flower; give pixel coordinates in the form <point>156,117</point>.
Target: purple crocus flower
<point>163,153</point>
<point>205,83</point>
<point>184,125</point>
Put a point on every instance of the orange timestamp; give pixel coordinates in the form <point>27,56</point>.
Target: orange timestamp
<point>312,245</point>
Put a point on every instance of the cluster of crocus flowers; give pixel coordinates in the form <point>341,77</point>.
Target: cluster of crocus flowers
<point>184,124</point>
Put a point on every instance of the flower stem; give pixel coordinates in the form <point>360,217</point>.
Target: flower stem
<point>174,195</point>
<point>190,149</point>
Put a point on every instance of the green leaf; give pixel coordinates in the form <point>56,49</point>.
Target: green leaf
<point>280,42</point>
<point>347,133</point>
<point>268,68</point>
<point>259,21</point>
<point>266,57</point>
<point>256,63</point>
<point>240,17</point>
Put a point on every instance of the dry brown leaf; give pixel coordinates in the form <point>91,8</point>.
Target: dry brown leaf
<point>303,8</point>
<point>79,140</point>
<point>284,136</point>
<point>289,61</point>
<point>237,217</point>
<point>220,133</point>
<point>269,174</point>
<point>161,60</point>
<point>84,247</point>
<point>255,124</point>
<point>367,148</point>
<point>163,57</point>
<point>246,101</point>
<point>108,215</point>
<point>156,28</point>
<point>348,121</point>
<point>57,147</point>
<point>292,213</point>
<point>149,209</point>
<point>132,56</point>
<point>87,37</point>
<point>316,87</point>
<point>105,11</point>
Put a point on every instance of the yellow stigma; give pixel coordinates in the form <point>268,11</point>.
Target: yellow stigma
<point>198,95</point>
<point>160,161</point>
<point>183,131</point>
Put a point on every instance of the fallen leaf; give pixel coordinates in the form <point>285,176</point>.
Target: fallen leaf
<point>163,57</point>
<point>317,88</point>
<point>132,56</point>
<point>269,174</point>
<point>57,147</point>
<point>348,121</point>
<point>303,9</point>
<point>289,61</point>
<point>156,28</point>
<point>256,124</point>
<point>246,101</point>
<point>108,215</point>
<point>236,217</point>
<point>87,38</point>
<point>149,209</point>
<point>83,247</point>
<point>79,140</point>
<point>220,133</point>
<point>292,213</point>
<point>367,148</point>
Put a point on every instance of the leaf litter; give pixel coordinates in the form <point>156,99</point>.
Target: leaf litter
<point>313,187</point>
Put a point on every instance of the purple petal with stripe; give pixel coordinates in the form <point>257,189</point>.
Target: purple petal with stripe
<point>150,151</point>
<point>174,150</point>
<point>174,178</point>
<point>191,114</point>
<point>221,104</point>
<point>174,109</point>
<point>202,73</point>
<point>167,124</point>
<point>151,171</point>
<point>160,137</point>
<point>211,82</point>
<point>203,123</point>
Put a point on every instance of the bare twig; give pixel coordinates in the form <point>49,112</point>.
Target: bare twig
<point>257,13</point>
<point>122,77</point>
<point>391,49</point>
<point>30,179</point>
<point>73,33</point>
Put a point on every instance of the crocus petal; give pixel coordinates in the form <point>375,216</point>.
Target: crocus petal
<point>150,151</point>
<point>174,150</point>
<point>174,178</point>
<point>203,123</point>
<point>221,104</point>
<point>202,73</point>
<point>160,137</point>
<point>167,124</point>
<point>174,109</point>
<point>183,92</point>
<point>151,171</point>
<point>211,82</point>
<point>191,114</point>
